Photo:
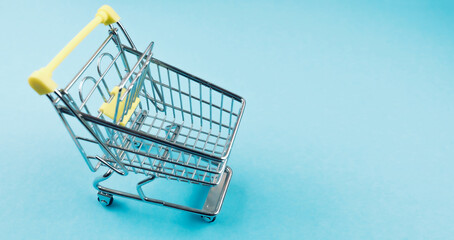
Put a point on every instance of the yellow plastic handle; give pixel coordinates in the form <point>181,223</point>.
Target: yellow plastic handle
<point>41,80</point>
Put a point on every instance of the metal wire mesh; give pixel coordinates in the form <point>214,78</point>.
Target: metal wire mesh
<point>150,158</point>
<point>182,129</point>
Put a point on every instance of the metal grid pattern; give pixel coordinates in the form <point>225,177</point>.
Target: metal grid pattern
<point>206,115</point>
<point>182,129</point>
<point>146,157</point>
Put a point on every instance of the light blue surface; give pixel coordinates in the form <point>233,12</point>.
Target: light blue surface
<point>348,131</point>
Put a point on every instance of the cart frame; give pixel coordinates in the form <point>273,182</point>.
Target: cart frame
<point>123,144</point>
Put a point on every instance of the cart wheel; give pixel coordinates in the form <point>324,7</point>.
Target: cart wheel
<point>105,198</point>
<point>208,219</point>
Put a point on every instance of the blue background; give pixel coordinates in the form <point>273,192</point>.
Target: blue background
<point>347,134</point>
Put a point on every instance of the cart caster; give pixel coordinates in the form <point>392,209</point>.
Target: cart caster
<point>105,199</point>
<point>208,219</point>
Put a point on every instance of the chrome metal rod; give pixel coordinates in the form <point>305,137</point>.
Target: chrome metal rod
<point>126,35</point>
<point>139,61</point>
<point>109,166</point>
<point>88,63</point>
<point>79,117</point>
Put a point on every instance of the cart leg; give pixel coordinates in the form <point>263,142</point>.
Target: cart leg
<point>216,195</point>
<point>102,178</point>
<point>208,219</point>
<point>104,198</point>
<point>141,183</point>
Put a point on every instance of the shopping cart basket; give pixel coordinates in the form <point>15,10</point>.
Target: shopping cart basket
<point>130,112</point>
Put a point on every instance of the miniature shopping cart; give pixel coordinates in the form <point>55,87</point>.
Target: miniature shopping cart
<point>129,112</point>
